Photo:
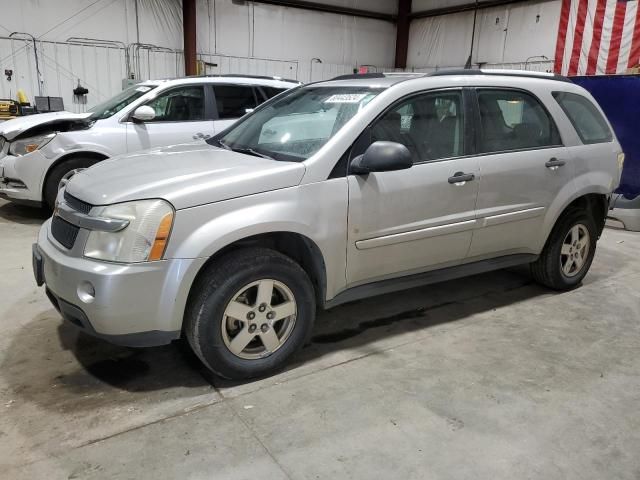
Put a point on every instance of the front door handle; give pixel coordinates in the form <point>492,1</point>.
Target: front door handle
<point>554,164</point>
<point>460,178</point>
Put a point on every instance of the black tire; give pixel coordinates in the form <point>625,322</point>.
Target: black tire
<point>216,287</point>
<point>50,190</point>
<point>548,269</point>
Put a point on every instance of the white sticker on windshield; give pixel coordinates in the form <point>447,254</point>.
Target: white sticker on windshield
<point>346,98</point>
<point>143,89</point>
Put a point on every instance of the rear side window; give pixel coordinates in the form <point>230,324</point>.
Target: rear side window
<point>585,117</point>
<point>271,92</point>
<point>514,120</point>
<point>234,101</point>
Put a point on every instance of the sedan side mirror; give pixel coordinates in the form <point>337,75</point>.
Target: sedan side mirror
<point>144,114</point>
<point>382,157</point>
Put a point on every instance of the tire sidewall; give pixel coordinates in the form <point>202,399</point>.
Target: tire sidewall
<point>210,312</point>
<point>50,190</point>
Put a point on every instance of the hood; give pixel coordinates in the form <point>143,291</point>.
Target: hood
<point>13,128</point>
<point>185,175</point>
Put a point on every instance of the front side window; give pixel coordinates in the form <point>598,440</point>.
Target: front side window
<point>585,117</point>
<point>296,126</point>
<point>514,120</point>
<point>234,101</point>
<point>181,104</point>
<point>431,126</point>
<point>117,103</point>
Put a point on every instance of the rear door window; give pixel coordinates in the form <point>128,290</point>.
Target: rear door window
<point>271,92</point>
<point>234,101</point>
<point>514,120</point>
<point>585,117</point>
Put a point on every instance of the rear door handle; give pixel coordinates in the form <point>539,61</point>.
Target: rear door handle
<point>554,164</point>
<point>460,178</point>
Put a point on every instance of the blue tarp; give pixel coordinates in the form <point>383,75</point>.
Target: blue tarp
<point>619,97</point>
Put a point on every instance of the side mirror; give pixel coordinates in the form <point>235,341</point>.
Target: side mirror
<point>144,114</point>
<point>382,157</point>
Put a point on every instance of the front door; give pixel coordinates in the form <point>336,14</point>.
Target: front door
<point>420,218</point>
<point>524,166</point>
<point>183,114</point>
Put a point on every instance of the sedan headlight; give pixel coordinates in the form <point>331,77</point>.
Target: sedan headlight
<point>31,144</point>
<point>144,239</point>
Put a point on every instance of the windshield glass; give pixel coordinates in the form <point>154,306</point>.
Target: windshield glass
<point>296,126</point>
<point>117,103</point>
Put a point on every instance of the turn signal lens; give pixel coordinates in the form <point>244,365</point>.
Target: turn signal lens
<point>31,147</point>
<point>162,236</point>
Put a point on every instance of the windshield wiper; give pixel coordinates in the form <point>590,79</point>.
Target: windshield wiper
<point>251,151</point>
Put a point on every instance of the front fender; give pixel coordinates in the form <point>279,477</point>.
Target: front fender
<point>317,211</point>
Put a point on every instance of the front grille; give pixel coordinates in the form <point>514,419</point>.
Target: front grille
<point>64,232</point>
<point>76,204</point>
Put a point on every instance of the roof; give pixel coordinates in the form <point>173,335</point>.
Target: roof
<point>251,79</point>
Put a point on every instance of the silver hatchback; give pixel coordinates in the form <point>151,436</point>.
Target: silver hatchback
<point>328,193</point>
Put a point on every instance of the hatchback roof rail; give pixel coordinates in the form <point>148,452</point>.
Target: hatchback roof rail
<point>502,73</point>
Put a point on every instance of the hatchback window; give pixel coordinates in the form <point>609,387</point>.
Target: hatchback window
<point>179,105</point>
<point>585,117</point>
<point>430,126</point>
<point>513,120</point>
<point>234,101</point>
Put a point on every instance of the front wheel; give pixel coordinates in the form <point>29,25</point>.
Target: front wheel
<point>63,171</point>
<point>569,251</point>
<point>249,312</point>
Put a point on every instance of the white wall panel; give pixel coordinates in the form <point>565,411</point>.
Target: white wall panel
<point>508,34</point>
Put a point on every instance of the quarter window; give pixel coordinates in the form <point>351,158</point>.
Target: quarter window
<point>271,92</point>
<point>513,120</point>
<point>585,117</point>
<point>430,126</point>
<point>179,105</point>
<point>234,101</point>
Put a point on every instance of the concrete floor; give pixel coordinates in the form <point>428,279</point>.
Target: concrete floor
<point>490,377</point>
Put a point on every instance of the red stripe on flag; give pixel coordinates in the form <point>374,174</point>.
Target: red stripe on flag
<point>616,37</point>
<point>634,54</point>
<point>592,61</point>
<point>562,35</point>
<point>577,37</point>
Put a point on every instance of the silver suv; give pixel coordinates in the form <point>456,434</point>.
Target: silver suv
<point>328,193</point>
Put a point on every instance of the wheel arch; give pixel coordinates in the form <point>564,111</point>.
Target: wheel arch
<point>296,246</point>
<point>595,203</point>
<point>69,156</point>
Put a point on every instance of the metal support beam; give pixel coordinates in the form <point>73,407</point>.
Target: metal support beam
<point>189,31</point>
<point>320,7</point>
<point>436,12</point>
<point>402,33</point>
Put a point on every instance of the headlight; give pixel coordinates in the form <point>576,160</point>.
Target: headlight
<point>144,239</point>
<point>31,144</point>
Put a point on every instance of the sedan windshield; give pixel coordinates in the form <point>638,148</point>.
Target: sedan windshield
<point>295,126</point>
<point>117,103</point>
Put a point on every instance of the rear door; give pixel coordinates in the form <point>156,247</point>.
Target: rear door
<point>183,114</point>
<point>416,219</point>
<point>523,165</point>
<point>233,101</point>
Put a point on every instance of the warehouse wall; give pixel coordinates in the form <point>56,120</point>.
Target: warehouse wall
<point>233,37</point>
<point>505,36</point>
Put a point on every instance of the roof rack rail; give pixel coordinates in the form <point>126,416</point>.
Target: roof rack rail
<point>356,76</point>
<point>502,73</point>
<point>241,75</point>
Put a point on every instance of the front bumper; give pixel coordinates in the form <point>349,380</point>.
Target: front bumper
<point>132,304</point>
<point>21,177</point>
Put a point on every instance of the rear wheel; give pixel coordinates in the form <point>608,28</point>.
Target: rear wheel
<point>568,254</point>
<point>58,173</point>
<point>249,312</point>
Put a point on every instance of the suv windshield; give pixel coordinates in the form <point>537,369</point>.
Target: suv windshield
<point>117,103</point>
<point>296,126</point>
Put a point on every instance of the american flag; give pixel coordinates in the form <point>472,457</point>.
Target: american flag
<point>598,37</point>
